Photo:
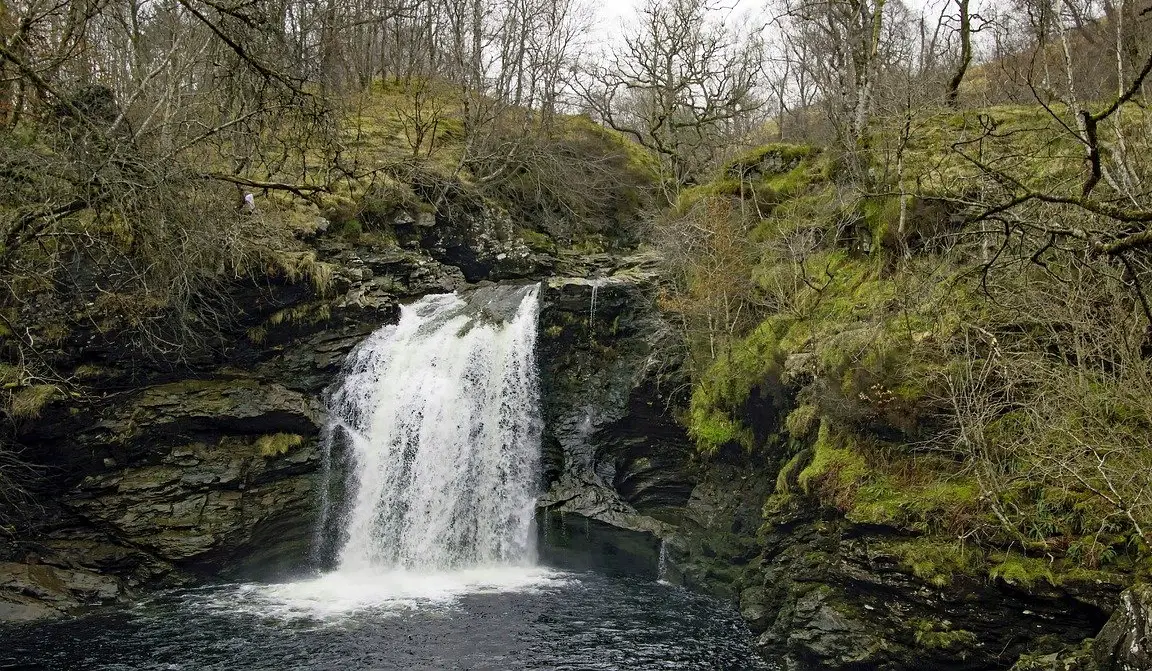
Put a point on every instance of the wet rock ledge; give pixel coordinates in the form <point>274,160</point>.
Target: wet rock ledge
<point>611,379</point>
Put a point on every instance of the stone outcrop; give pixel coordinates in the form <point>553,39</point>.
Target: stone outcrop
<point>610,377</point>
<point>200,477</point>
<point>470,233</point>
<point>1125,643</point>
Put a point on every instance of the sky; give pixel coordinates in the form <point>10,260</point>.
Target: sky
<point>611,16</point>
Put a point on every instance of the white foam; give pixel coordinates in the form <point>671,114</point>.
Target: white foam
<point>342,593</point>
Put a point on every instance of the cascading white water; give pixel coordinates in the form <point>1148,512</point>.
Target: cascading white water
<point>442,415</point>
<point>662,563</point>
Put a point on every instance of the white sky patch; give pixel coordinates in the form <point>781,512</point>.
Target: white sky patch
<point>612,17</point>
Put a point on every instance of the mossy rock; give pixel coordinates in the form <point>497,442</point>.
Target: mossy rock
<point>800,422</point>
<point>767,159</point>
<point>940,635</point>
<point>1020,571</point>
<point>788,479</point>
<point>940,505</point>
<point>537,241</point>
<point>28,402</point>
<point>751,365</point>
<point>936,560</point>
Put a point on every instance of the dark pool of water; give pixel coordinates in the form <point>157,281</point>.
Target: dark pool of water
<point>581,621</point>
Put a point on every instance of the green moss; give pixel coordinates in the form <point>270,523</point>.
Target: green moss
<point>800,422</point>
<point>537,241</point>
<point>275,444</point>
<point>775,189</point>
<point>836,467</point>
<point>1065,658</point>
<point>1021,571</point>
<point>765,176</point>
<point>775,504</point>
<point>640,161</point>
<point>692,196</point>
<point>713,429</point>
<point>11,376</point>
<point>28,402</point>
<point>936,560</point>
<point>1026,140</point>
<point>940,635</point>
<point>749,364</point>
<point>381,201</point>
<point>879,344</point>
<point>938,506</point>
<point>789,474</point>
<point>379,239</point>
<point>882,217</point>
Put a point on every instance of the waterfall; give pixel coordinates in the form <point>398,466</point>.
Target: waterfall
<point>662,563</point>
<point>441,415</point>
<point>592,307</point>
<point>438,421</point>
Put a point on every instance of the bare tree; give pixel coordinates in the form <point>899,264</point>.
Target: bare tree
<point>846,55</point>
<point>680,84</point>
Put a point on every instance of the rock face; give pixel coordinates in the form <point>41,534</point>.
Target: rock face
<point>239,491</point>
<point>201,477</point>
<point>610,379</point>
<point>841,599</point>
<point>471,234</point>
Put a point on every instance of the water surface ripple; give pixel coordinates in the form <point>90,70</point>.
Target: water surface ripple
<point>569,622</point>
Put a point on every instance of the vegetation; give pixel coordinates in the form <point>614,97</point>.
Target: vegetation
<point>275,444</point>
<point>931,311</point>
<point>938,635</point>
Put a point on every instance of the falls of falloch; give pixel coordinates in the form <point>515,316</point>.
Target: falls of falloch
<point>426,540</point>
<point>437,419</point>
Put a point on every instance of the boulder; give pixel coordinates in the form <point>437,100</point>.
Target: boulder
<point>1125,642</point>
